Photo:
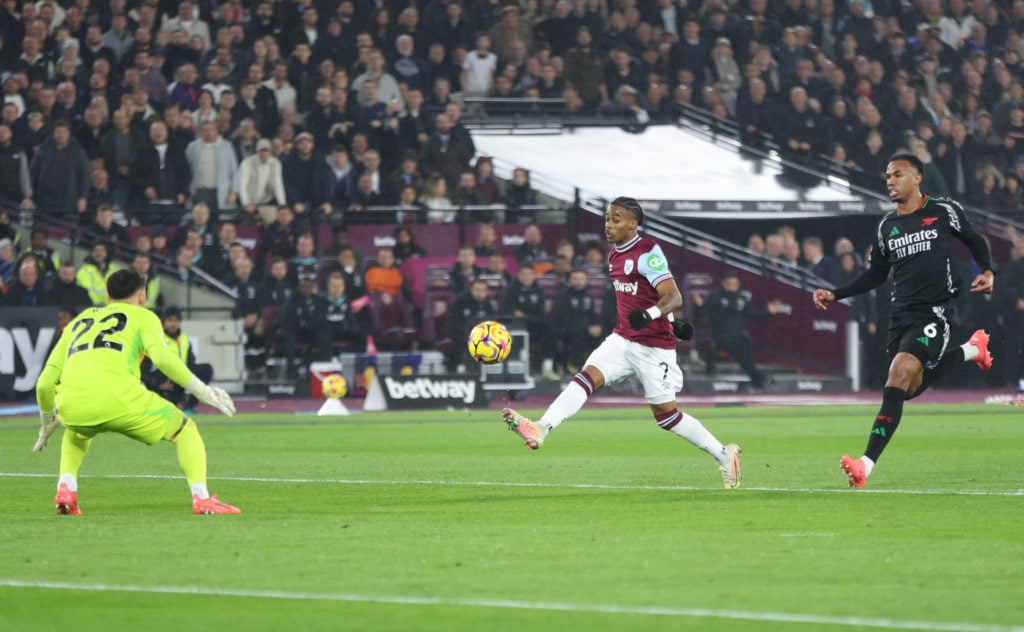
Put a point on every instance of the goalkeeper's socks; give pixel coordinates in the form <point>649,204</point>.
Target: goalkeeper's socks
<point>199,489</point>
<point>687,427</point>
<point>569,402</point>
<point>191,454</point>
<point>886,422</point>
<point>69,480</point>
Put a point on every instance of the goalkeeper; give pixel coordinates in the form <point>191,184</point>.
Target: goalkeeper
<point>92,376</point>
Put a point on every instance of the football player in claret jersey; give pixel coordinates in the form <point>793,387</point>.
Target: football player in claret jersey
<point>643,344</point>
<point>92,376</point>
<point>915,243</point>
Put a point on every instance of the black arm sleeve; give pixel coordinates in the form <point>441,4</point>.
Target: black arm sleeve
<point>974,242</point>
<point>875,275</point>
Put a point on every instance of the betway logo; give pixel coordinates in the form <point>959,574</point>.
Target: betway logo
<point>626,288</point>
<point>912,238</point>
<point>825,325</point>
<point>17,343</point>
<point>426,388</point>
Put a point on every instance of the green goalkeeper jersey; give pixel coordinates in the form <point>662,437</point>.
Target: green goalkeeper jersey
<point>93,372</point>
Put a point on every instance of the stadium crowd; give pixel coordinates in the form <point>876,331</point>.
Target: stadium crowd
<point>199,117</point>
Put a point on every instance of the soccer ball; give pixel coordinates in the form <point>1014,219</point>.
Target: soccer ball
<point>334,386</point>
<point>489,342</point>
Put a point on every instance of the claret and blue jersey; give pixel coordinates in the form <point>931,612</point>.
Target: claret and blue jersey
<point>636,268</point>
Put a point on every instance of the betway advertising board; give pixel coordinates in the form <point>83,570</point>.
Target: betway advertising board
<point>25,337</point>
<point>405,392</point>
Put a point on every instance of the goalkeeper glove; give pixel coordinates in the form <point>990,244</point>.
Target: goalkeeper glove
<point>682,329</point>
<point>216,397</point>
<point>48,422</point>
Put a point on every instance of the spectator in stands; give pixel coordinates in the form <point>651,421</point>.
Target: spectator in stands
<point>247,308</point>
<point>120,149</point>
<point>343,325</point>
<point>376,71</point>
<point>435,197</point>
<point>486,241</point>
<point>199,221</point>
<point>519,193</point>
<point>470,307</point>
<point>60,176</point>
<point>66,291</point>
<point>525,300</point>
<point>478,69</point>
<point>301,168</point>
<point>143,264</point>
<point>407,174</point>
<point>27,289</point>
<point>347,264</point>
<point>214,169</point>
<point>46,258</point>
<point>305,262</point>
<point>465,270</point>
<point>576,323</point>
<point>105,229</point>
<point>755,114</point>
<point>932,182</point>
<point>584,70</point>
<point>726,310</point>
<point>560,270</point>
<point>187,20</point>
<point>800,134</point>
<point>384,276</point>
<point>336,186</point>
<point>302,321</point>
<point>486,185</point>
<point>276,287</point>
<point>532,248</point>
<point>406,246</point>
<point>446,152</point>
<point>465,194</point>
<point>260,186</point>
<point>15,179</point>
<point>360,211</point>
<point>163,177</point>
<point>496,274</point>
<point>184,262</point>
<point>8,264</point>
<point>95,271</point>
<point>178,342</point>
<point>958,162</point>
<point>279,239</point>
<point>820,264</point>
<point>216,258</point>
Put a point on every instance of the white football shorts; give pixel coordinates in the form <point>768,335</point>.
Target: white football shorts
<point>657,369</point>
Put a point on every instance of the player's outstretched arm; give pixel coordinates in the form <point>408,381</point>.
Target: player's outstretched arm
<point>46,389</point>
<point>216,397</point>
<point>48,423</point>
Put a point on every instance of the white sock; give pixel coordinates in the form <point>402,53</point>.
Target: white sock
<point>1020,385</point>
<point>970,351</point>
<point>868,465</point>
<point>69,480</point>
<point>695,432</point>
<point>567,404</point>
<point>199,489</point>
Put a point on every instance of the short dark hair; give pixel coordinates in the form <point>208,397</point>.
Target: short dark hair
<point>631,205</point>
<point>124,283</point>
<point>905,156</point>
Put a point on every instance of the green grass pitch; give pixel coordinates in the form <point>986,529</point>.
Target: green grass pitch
<point>443,521</point>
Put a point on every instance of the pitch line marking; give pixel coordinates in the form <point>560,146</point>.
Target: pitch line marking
<point>659,488</point>
<point>707,613</point>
